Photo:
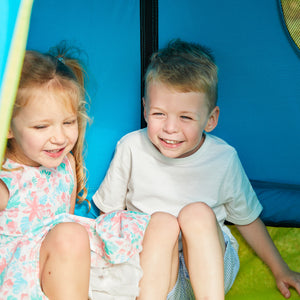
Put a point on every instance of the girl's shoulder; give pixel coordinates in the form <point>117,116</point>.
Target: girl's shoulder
<point>10,164</point>
<point>17,172</point>
<point>7,180</point>
<point>70,161</point>
<point>10,170</point>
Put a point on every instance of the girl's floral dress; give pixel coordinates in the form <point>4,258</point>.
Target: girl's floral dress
<point>40,199</point>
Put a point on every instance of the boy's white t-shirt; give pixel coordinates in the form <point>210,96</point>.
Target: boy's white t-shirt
<point>141,179</point>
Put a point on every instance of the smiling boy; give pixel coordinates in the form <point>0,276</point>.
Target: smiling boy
<point>175,166</point>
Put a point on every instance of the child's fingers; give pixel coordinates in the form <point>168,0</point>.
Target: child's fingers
<point>297,285</point>
<point>283,288</point>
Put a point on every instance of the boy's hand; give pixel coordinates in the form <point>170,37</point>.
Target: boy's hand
<point>286,280</point>
<point>260,241</point>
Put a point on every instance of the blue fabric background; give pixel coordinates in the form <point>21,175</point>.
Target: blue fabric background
<point>8,15</point>
<point>259,75</point>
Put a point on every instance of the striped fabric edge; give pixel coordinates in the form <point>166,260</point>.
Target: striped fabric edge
<point>13,70</point>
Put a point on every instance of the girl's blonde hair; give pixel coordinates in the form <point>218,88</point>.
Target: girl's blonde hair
<point>59,72</point>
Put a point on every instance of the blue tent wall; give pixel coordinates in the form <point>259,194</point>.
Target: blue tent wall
<point>259,76</point>
<point>8,13</point>
<point>109,33</point>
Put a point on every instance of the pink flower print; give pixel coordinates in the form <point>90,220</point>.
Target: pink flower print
<point>22,258</point>
<point>9,284</point>
<point>34,208</point>
<point>16,178</point>
<point>25,297</point>
<point>3,264</point>
<point>12,227</point>
<point>131,228</point>
<point>65,198</point>
<point>46,190</point>
<point>13,213</point>
<point>67,178</point>
<point>54,180</point>
<point>29,185</point>
<point>30,270</point>
<point>40,181</point>
<point>49,213</point>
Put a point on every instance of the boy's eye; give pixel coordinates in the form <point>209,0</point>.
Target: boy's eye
<point>186,118</point>
<point>158,114</point>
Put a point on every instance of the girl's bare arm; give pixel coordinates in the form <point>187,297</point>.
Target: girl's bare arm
<point>4,195</point>
<point>74,192</point>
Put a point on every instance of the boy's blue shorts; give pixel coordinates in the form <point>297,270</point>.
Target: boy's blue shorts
<point>183,289</point>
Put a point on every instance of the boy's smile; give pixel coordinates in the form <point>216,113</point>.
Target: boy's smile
<point>176,120</point>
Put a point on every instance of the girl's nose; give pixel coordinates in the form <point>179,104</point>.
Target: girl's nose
<point>59,136</point>
<point>170,125</point>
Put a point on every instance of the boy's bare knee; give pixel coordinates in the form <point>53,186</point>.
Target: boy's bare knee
<point>162,218</point>
<point>165,223</point>
<point>197,213</point>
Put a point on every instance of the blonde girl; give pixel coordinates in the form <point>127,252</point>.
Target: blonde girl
<point>45,251</point>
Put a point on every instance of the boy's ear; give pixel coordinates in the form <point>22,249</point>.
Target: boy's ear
<point>145,111</point>
<point>212,120</point>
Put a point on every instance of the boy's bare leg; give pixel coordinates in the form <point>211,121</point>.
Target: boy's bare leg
<point>159,258</point>
<point>203,248</point>
<point>65,262</point>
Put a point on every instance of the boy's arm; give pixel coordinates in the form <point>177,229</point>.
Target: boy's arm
<point>258,238</point>
<point>111,195</point>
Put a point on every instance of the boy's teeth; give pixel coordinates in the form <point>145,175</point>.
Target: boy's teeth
<point>171,142</point>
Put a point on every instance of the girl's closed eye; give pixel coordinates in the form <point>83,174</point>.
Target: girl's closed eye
<point>71,122</point>
<point>40,126</point>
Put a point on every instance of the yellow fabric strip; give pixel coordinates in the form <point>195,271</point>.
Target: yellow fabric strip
<point>13,70</point>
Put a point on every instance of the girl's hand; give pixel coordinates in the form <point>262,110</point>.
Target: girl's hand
<point>286,280</point>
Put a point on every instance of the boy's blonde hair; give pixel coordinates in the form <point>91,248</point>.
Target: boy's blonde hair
<point>185,67</point>
<point>63,75</point>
